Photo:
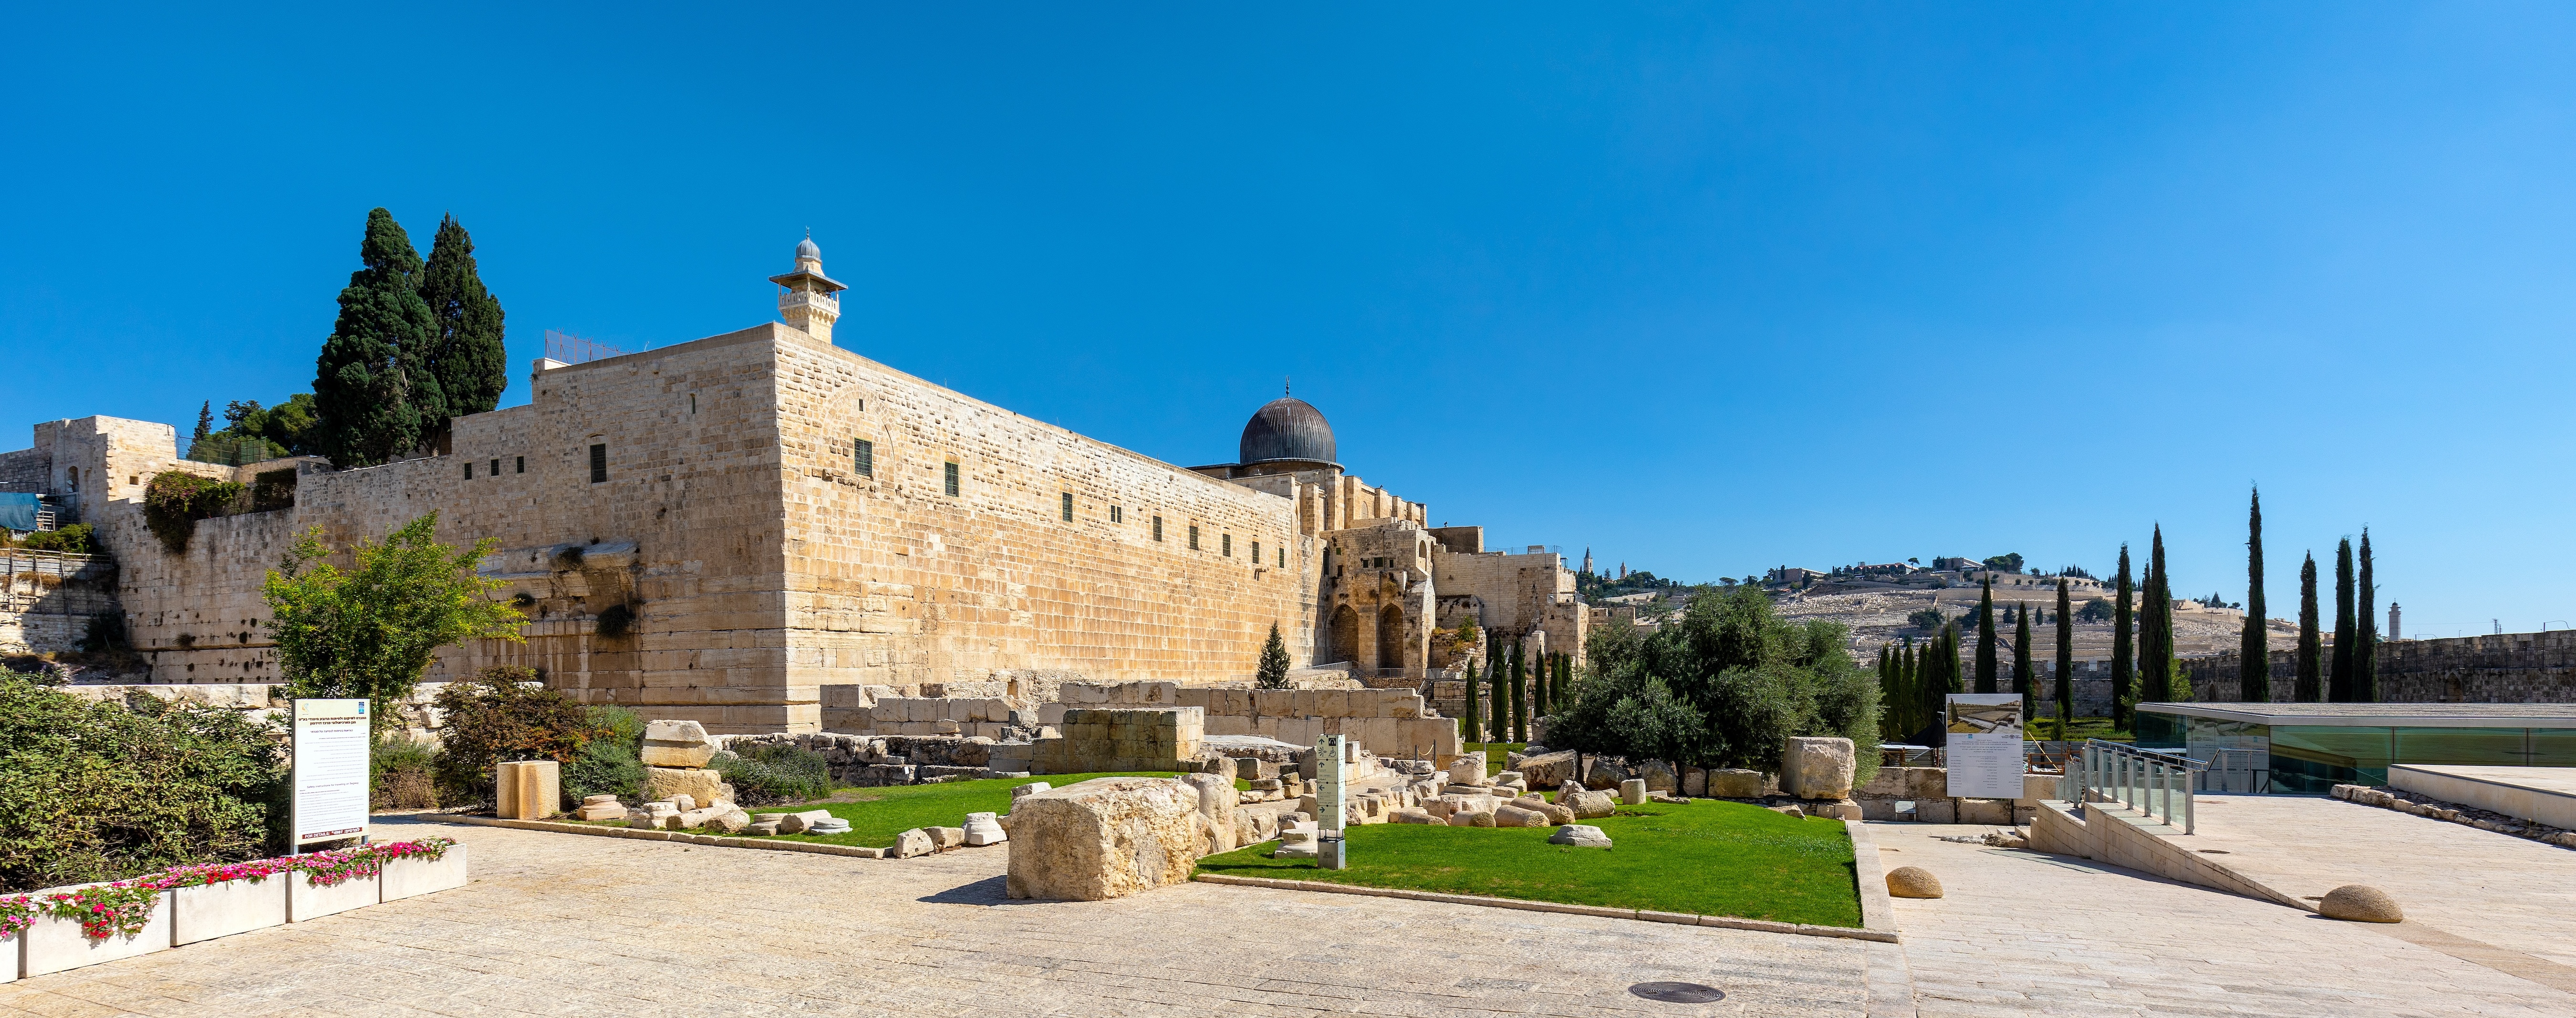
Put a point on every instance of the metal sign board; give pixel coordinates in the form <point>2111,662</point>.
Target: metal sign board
<point>332,738</point>
<point>1985,744</point>
<point>1329,781</point>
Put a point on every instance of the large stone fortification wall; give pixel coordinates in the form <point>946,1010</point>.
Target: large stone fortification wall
<point>2501,668</point>
<point>47,599</point>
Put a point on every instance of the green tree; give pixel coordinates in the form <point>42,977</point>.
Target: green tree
<point>1273,671</point>
<point>2365,645</point>
<point>369,632</point>
<point>2065,691</point>
<point>205,422</point>
<point>2123,648</point>
<point>2339,675</point>
<point>1909,704</point>
<point>2155,656</point>
<point>1520,712</point>
<point>2021,658</point>
<point>1986,637</point>
<point>465,351</point>
<point>1475,723</point>
<point>2254,646</point>
<point>1496,672</point>
<point>369,384</point>
<point>2310,682</point>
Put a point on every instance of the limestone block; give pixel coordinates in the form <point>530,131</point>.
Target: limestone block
<point>1936,811</point>
<point>1103,838</point>
<point>915,842</point>
<point>683,802</point>
<point>1471,818</point>
<point>1296,842</point>
<point>1816,767</point>
<point>1415,816</point>
<point>1547,770</point>
<point>1695,782</point>
<point>1579,836</point>
<point>1216,801</point>
<point>1589,805</point>
<point>1926,783</point>
<point>697,783</point>
<point>1633,791</point>
<point>1731,783</point>
<point>797,823</point>
<point>732,821</point>
<point>1556,814</point>
<point>1467,770</point>
<point>1877,809</point>
<point>706,815</point>
<point>1793,812</point>
<point>1985,811</point>
<point>676,744</point>
<point>606,811</point>
<point>1843,809</point>
<point>1515,816</point>
<point>528,789</point>
<point>945,838</point>
<point>651,815</point>
<point>1888,783</point>
<point>1659,776</point>
<point>1604,773</point>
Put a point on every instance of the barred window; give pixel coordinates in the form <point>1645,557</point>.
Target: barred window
<point>1158,528</point>
<point>1068,507</point>
<point>523,464</point>
<point>1194,537</point>
<point>1225,542</point>
<point>1115,516</point>
<point>952,480</point>
<point>863,457</point>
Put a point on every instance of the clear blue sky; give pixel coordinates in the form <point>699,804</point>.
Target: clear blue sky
<point>1709,288</point>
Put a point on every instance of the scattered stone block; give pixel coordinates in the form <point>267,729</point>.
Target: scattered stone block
<point>604,798</point>
<point>1467,770</point>
<point>1589,805</point>
<point>798,823</point>
<point>1471,818</point>
<point>834,825</point>
<point>1845,809</point>
<point>1547,770</point>
<point>1912,882</point>
<point>1633,791</point>
<point>944,838</point>
<point>915,842</point>
<point>651,815</point>
<point>1733,783</point>
<point>2361,904</point>
<point>1414,816</point>
<point>1793,812</point>
<point>1216,802</point>
<point>1103,838</point>
<point>1579,836</point>
<point>701,785</point>
<point>1515,816</point>
<point>732,821</point>
<point>1510,778</point>
<point>1817,767</point>
<point>599,811</point>
<point>528,789</point>
<point>676,744</point>
<point>1659,776</point>
<point>761,830</point>
<point>1297,842</point>
<point>1032,788</point>
<point>1695,782</point>
<point>684,803</point>
<point>706,815</point>
<point>1603,773</point>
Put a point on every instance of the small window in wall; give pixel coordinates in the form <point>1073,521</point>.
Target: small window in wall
<point>863,457</point>
<point>952,480</point>
<point>523,465</point>
<point>469,470</point>
<point>1256,553</point>
<point>1158,528</point>
<point>1194,537</point>
<point>1225,544</point>
<point>1283,558</point>
<point>1116,516</point>
<point>693,402</point>
<point>598,464</point>
<point>496,469</point>
<point>1068,507</point>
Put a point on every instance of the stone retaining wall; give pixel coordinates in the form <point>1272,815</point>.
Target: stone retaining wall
<point>2500,668</point>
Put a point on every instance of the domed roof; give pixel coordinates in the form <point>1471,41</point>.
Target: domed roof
<point>806,249</point>
<point>1287,429</point>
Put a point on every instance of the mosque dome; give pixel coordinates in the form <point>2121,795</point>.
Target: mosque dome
<point>1287,429</point>
<point>806,249</point>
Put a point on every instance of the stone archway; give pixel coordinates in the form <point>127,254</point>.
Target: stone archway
<point>1390,638</point>
<point>1342,638</point>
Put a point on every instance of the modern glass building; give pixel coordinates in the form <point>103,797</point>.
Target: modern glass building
<point>2308,748</point>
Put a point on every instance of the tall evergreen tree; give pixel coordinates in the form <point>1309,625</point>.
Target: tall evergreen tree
<point>1520,715</point>
<point>2311,679</point>
<point>2254,646</point>
<point>2155,654</point>
<point>2021,657</point>
<point>465,352</point>
<point>205,422</point>
<point>2065,660</point>
<point>2339,674</point>
<point>1272,672</point>
<point>2123,648</point>
<point>1986,637</point>
<point>1905,701</point>
<point>1475,720</point>
<point>1496,668</point>
<point>2365,644</point>
<point>369,383</point>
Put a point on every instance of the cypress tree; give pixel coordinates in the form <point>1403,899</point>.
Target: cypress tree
<point>465,353</point>
<point>1501,700</point>
<point>1272,672</point>
<point>368,382</point>
<point>2254,647</point>
<point>2065,660</point>
<point>2155,652</point>
<point>1905,701</point>
<point>2339,674</point>
<point>1475,723</point>
<point>2365,646</point>
<point>205,423</point>
<point>2123,648</point>
<point>1986,637</point>
<point>1520,715</point>
<point>2310,680</point>
<point>2021,658</point>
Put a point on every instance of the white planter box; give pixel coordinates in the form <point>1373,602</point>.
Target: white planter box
<point>406,877</point>
<point>53,945</point>
<point>305,902</point>
<point>233,906</point>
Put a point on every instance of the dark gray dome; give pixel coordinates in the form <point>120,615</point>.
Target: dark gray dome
<point>807,249</point>
<point>1287,429</point>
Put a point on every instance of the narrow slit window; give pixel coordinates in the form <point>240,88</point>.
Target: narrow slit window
<point>863,457</point>
<point>1068,507</point>
<point>1158,528</point>
<point>952,480</point>
<point>496,469</point>
<point>693,402</point>
<point>1115,516</point>
<point>469,470</point>
<point>1194,537</point>
<point>599,463</point>
<point>1225,544</point>
<point>1283,558</point>
<point>1256,553</point>
<point>523,464</point>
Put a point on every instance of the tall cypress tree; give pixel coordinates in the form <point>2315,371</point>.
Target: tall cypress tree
<point>2310,680</point>
<point>465,354</point>
<point>2365,645</point>
<point>1475,721</point>
<point>2021,657</point>
<point>1495,668</point>
<point>1905,701</point>
<point>2339,675</point>
<point>1520,715</point>
<point>2123,648</point>
<point>2065,659</point>
<point>205,422</point>
<point>2254,646</point>
<point>1986,637</point>
<point>368,383</point>
<point>2155,655</point>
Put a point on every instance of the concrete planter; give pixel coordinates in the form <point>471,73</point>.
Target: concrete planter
<point>306,902</point>
<point>406,877</point>
<point>54,945</point>
<point>222,909</point>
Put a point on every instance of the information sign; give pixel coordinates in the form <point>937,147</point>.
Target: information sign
<point>1329,773</point>
<point>331,742</point>
<point>1985,745</point>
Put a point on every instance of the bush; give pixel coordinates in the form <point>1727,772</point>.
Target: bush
<point>176,500</point>
<point>74,540</point>
<point>499,715</point>
<point>612,763</point>
<point>97,791</point>
<point>1927,620</point>
<point>774,773</point>
<point>2096,610</point>
<point>402,773</point>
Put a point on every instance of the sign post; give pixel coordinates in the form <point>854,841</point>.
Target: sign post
<point>1985,744</point>
<point>1329,795</point>
<point>332,738</point>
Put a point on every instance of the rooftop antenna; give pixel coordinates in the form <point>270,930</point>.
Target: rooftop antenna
<point>1283,386</point>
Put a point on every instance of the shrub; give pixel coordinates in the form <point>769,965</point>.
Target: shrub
<point>503,714</point>
<point>2095,610</point>
<point>98,791</point>
<point>612,763</point>
<point>1928,619</point>
<point>176,500</point>
<point>74,540</point>
<point>272,489</point>
<point>774,773</point>
<point>402,773</point>
<point>369,631</point>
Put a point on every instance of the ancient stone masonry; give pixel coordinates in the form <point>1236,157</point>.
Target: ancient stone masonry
<point>47,599</point>
<point>2503,668</point>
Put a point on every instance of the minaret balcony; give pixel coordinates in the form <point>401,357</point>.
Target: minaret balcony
<point>809,300</point>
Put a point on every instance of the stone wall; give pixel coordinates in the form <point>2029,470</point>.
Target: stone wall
<point>2500,668</point>
<point>47,599</point>
<point>1120,740</point>
<point>1390,722</point>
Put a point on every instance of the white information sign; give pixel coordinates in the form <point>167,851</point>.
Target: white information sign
<point>331,742</point>
<point>1985,745</point>
<point>1329,771</point>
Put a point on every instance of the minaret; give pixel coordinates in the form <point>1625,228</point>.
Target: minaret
<point>810,301</point>
<point>1587,561</point>
<point>2392,620</point>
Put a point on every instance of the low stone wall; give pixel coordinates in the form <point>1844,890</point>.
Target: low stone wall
<point>2499,668</point>
<point>1928,788</point>
<point>1122,740</point>
<point>877,761</point>
<point>421,717</point>
<point>1390,722</point>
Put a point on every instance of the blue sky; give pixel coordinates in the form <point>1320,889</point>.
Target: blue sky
<point>1708,288</point>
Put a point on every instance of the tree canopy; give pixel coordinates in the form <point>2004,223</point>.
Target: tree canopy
<point>370,631</point>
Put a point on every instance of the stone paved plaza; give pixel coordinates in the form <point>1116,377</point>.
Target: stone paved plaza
<point>570,925</point>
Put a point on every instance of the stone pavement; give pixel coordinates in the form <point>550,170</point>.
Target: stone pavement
<point>2022,933</point>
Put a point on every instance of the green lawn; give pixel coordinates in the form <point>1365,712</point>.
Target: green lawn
<point>1704,858</point>
<point>876,815</point>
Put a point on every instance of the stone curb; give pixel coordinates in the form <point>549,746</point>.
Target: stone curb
<point>683,837</point>
<point>1889,976</point>
<point>1646,915</point>
<point>1877,910</point>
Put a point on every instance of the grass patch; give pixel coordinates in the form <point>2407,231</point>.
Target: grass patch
<point>876,815</point>
<point>1704,858</point>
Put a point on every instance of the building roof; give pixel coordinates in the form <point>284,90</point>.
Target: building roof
<point>1286,428</point>
<point>2381,715</point>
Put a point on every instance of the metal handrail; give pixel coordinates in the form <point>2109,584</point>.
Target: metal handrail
<point>2141,779</point>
